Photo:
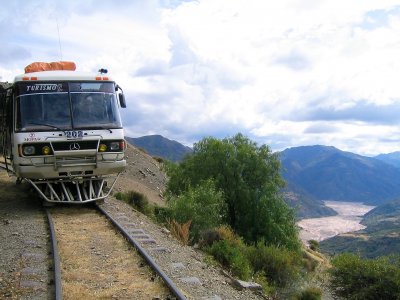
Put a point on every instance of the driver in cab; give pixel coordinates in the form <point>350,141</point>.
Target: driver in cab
<point>89,111</point>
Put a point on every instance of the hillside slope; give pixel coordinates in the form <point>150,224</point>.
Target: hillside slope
<point>305,205</point>
<point>142,174</point>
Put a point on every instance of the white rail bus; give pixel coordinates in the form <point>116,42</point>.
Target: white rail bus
<point>61,131</point>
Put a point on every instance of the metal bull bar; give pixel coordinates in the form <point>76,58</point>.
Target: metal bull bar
<point>80,190</point>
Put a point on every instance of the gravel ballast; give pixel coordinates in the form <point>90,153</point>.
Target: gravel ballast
<point>24,247</point>
<point>186,266</point>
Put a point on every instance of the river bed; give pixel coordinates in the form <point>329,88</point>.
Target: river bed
<point>348,219</point>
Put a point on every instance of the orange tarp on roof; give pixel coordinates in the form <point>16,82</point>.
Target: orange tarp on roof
<point>37,66</point>
<point>63,65</point>
<point>53,66</point>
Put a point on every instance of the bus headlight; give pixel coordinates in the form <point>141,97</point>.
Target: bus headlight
<point>46,150</point>
<point>28,150</point>
<point>114,146</point>
<point>102,148</point>
<point>36,149</point>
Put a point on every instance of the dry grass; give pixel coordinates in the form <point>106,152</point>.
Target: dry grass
<point>180,231</point>
<point>313,255</point>
<point>226,233</point>
<point>97,262</point>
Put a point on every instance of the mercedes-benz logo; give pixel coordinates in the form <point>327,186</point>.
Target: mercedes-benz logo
<point>74,146</point>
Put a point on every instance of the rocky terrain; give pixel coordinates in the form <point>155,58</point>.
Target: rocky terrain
<point>143,174</point>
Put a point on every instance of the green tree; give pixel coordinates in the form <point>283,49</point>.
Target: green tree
<point>249,177</point>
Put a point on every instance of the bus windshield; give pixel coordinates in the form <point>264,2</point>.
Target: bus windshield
<point>70,106</point>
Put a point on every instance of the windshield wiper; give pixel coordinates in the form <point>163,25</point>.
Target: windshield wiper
<point>44,124</point>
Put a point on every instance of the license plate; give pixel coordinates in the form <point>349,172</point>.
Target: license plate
<point>74,134</point>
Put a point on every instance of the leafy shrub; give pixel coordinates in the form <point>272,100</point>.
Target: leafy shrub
<point>310,293</point>
<point>209,237</point>
<point>271,265</point>
<point>223,232</point>
<point>120,196</point>
<point>309,264</point>
<point>202,204</point>
<point>162,214</point>
<point>139,201</point>
<point>231,257</point>
<point>261,279</point>
<point>229,235</point>
<point>158,159</point>
<point>356,278</point>
<point>281,266</point>
<point>228,249</point>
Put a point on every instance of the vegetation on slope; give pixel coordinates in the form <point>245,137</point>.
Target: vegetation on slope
<point>231,191</point>
<point>356,278</point>
<point>249,178</point>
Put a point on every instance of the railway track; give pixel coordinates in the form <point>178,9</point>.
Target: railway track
<point>81,253</point>
<point>98,262</point>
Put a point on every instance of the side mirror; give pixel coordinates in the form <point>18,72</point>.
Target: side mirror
<point>122,100</point>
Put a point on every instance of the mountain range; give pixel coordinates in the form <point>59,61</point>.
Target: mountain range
<point>390,158</point>
<point>327,173</point>
<point>159,146</point>
<point>314,174</point>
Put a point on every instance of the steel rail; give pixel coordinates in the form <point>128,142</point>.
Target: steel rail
<point>56,258</point>
<point>174,289</point>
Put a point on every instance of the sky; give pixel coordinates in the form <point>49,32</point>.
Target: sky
<point>284,73</point>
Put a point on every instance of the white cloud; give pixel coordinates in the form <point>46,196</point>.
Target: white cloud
<point>195,68</point>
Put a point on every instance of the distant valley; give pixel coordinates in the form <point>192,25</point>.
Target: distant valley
<point>380,237</point>
<point>348,219</point>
